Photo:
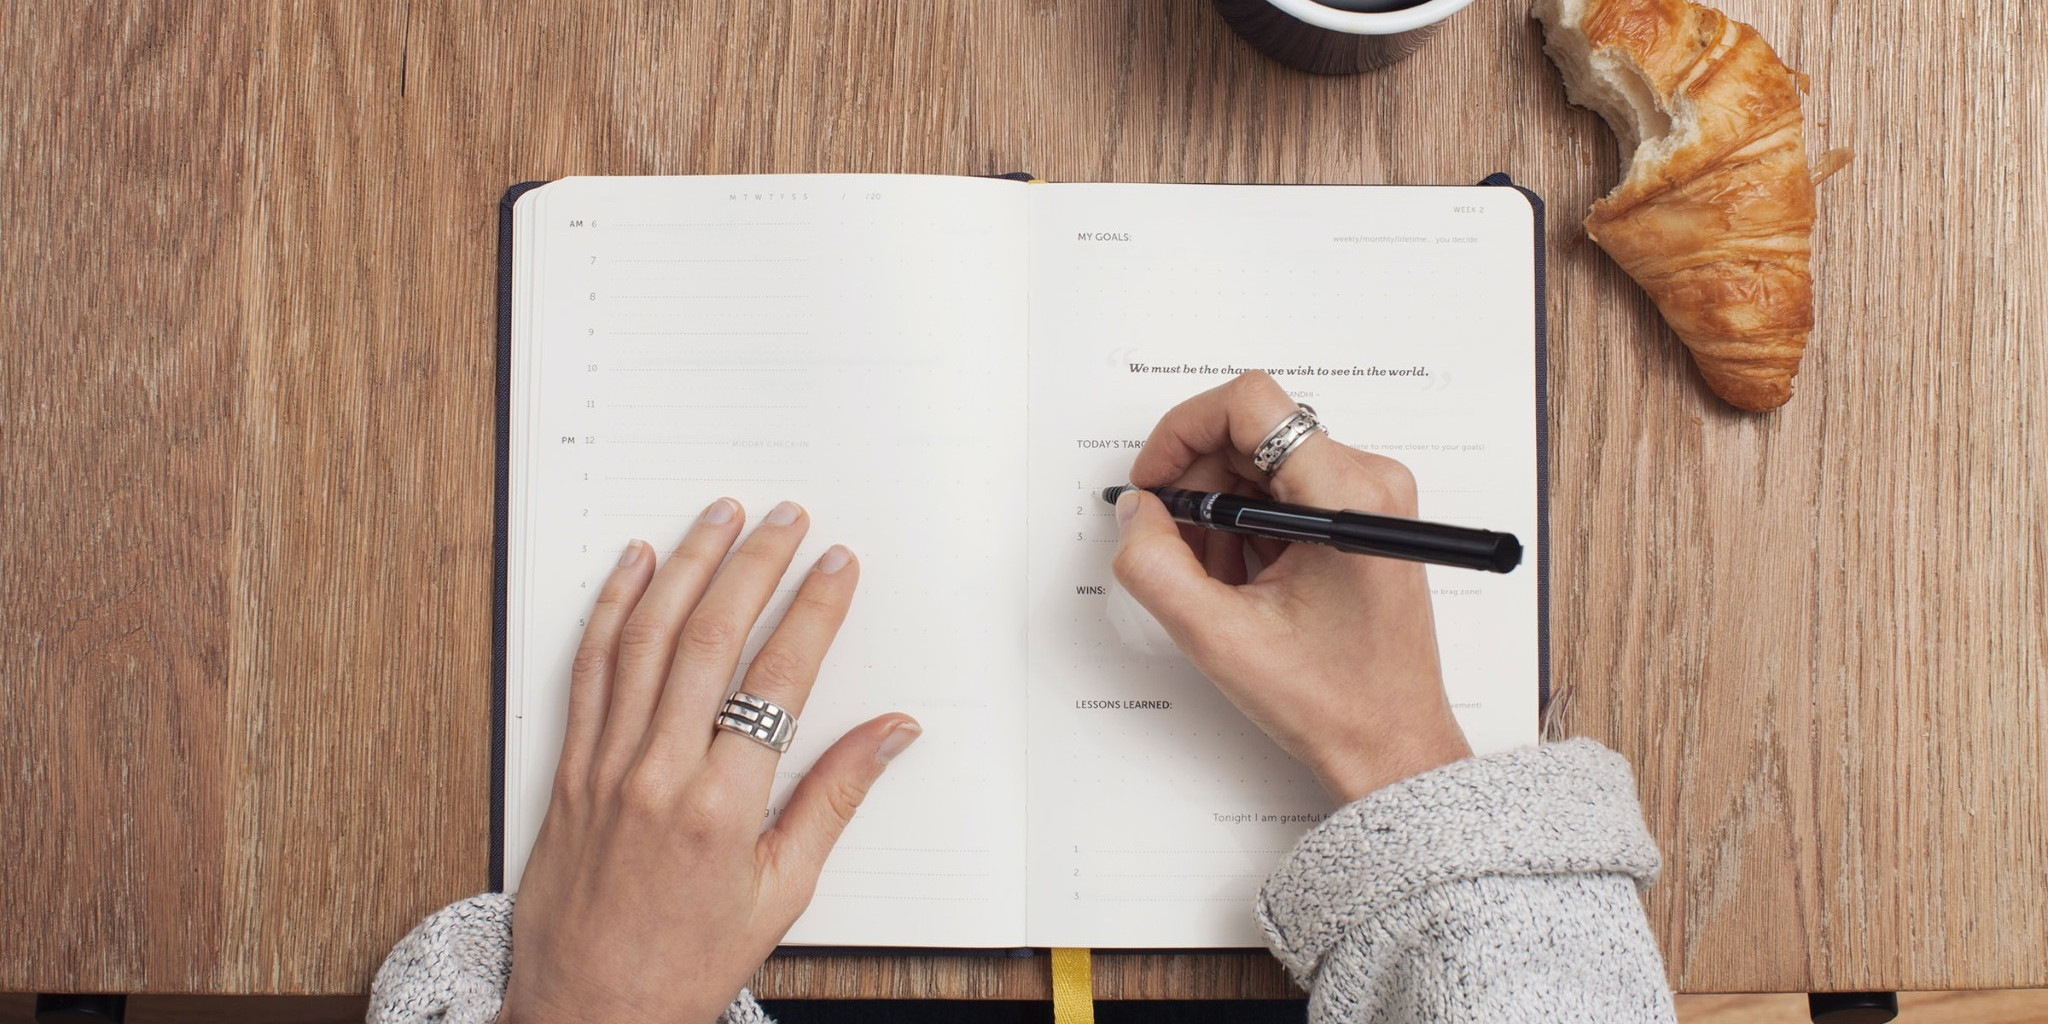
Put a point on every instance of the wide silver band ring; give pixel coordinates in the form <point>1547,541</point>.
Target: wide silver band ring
<point>763,721</point>
<point>1286,437</point>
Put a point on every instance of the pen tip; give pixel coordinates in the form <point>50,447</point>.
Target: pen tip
<point>1109,494</point>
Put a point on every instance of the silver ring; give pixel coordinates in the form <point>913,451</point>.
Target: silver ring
<point>1286,437</point>
<point>763,721</point>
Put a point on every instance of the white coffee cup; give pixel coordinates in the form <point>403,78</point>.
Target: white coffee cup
<point>1328,38</point>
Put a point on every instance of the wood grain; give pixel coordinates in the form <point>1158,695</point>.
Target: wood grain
<point>245,598</point>
<point>122,233</point>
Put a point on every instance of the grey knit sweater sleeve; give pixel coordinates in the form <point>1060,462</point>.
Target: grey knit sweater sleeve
<point>1500,888</point>
<point>452,969</point>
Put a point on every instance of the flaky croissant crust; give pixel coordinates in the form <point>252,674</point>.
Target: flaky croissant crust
<point>1719,232</point>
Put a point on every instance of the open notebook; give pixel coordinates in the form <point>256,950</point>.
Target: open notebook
<point>942,370</point>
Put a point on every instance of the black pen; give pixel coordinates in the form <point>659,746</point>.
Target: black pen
<point>1360,533</point>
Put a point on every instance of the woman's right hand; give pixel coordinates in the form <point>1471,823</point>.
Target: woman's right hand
<point>1332,654</point>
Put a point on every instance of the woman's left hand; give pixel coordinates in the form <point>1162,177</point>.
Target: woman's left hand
<point>653,892</point>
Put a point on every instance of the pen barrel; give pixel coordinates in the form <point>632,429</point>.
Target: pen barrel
<point>1392,537</point>
<point>1361,533</point>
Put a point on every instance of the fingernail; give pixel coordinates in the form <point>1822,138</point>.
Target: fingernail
<point>1126,507</point>
<point>783,514</point>
<point>835,559</point>
<point>719,512</point>
<point>631,554</point>
<point>898,740</point>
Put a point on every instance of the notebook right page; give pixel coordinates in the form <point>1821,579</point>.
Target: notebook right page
<point>1407,317</point>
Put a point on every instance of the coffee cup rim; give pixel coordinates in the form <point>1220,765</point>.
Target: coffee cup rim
<point>1370,23</point>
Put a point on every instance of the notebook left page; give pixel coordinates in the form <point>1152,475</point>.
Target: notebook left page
<point>854,343</point>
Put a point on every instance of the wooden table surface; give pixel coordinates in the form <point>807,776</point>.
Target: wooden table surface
<point>248,436</point>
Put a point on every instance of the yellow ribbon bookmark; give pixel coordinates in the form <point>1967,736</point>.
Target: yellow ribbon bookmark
<point>1073,991</point>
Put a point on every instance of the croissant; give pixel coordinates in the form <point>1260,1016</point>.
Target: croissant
<point>1715,216</point>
